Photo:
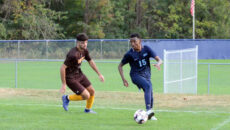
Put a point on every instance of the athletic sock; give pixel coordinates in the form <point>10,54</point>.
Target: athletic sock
<point>75,97</point>
<point>89,102</point>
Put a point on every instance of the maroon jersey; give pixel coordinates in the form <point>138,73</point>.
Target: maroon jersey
<point>73,62</point>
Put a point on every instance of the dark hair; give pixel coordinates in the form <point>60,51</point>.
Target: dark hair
<point>82,37</point>
<point>135,35</point>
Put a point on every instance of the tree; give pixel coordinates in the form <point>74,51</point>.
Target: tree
<point>156,19</point>
<point>30,20</point>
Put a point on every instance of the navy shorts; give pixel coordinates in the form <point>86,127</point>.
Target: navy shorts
<point>141,81</point>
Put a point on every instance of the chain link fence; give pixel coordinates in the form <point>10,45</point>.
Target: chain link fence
<point>20,58</point>
<point>57,49</point>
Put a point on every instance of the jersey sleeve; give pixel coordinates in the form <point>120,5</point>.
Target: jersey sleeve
<point>151,52</point>
<point>68,60</point>
<point>87,56</point>
<point>125,59</point>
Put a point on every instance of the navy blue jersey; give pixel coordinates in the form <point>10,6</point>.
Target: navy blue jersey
<point>139,61</point>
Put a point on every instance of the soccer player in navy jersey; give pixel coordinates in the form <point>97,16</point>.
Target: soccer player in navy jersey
<point>72,75</point>
<point>138,58</point>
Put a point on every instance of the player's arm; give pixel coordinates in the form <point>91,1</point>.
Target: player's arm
<point>122,74</point>
<point>159,62</point>
<point>63,72</point>
<point>157,58</point>
<point>94,67</point>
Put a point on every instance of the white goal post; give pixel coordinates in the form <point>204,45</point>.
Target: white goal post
<point>180,71</point>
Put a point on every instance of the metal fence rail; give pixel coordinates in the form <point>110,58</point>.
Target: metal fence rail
<point>109,48</point>
<point>105,50</point>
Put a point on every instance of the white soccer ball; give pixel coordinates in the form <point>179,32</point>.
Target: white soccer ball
<point>140,116</point>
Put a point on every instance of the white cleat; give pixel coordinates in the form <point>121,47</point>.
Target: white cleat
<point>153,118</point>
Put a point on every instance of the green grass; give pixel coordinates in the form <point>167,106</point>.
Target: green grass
<point>41,109</point>
<point>46,75</point>
<point>36,104</point>
<point>41,117</point>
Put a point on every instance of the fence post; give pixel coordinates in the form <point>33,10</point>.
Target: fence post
<point>164,63</point>
<point>101,49</point>
<point>208,78</point>
<point>18,50</point>
<point>181,69</point>
<point>16,65</point>
<point>196,66</point>
<point>47,41</point>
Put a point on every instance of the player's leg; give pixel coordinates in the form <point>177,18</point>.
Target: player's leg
<point>142,82</point>
<point>152,99</point>
<point>147,87</point>
<point>149,91</point>
<point>84,95</point>
<point>89,102</point>
<point>80,93</point>
<point>151,114</point>
<point>74,97</point>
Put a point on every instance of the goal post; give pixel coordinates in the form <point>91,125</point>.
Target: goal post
<point>180,71</point>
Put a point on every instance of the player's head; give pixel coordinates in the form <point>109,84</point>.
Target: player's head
<point>135,41</point>
<point>82,40</point>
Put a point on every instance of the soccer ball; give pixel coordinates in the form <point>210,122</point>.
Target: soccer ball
<point>140,116</point>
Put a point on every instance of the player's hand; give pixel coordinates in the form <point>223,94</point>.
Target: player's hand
<point>157,66</point>
<point>125,82</point>
<point>101,77</point>
<point>62,90</point>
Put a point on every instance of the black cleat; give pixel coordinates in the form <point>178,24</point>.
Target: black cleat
<point>150,114</point>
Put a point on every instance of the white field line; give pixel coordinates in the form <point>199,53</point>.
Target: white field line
<point>222,124</point>
<point>181,80</point>
<point>116,108</point>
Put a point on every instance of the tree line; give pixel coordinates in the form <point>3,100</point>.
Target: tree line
<point>113,19</point>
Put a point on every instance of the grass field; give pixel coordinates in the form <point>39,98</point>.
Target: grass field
<point>41,109</point>
<point>36,103</point>
<point>45,75</point>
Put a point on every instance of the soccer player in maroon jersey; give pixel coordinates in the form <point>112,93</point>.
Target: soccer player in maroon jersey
<point>72,76</point>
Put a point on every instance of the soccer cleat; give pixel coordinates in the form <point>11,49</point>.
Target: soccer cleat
<point>150,114</point>
<point>65,102</point>
<point>153,118</point>
<point>90,111</point>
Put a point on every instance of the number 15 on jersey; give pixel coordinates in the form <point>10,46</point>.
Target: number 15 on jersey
<point>142,62</point>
